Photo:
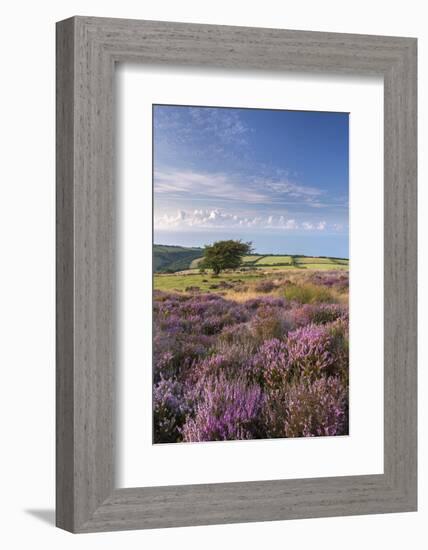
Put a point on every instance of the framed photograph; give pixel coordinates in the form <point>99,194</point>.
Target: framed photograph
<point>236,274</point>
<point>250,334</point>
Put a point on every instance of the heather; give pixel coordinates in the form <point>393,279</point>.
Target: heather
<point>266,359</point>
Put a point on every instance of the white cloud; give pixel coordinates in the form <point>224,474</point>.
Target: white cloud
<point>216,218</point>
<point>291,224</point>
<point>318,226</point>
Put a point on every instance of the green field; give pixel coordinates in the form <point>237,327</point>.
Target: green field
<point>179,262</point>
<point>206,282</point>
<point>322,266</point>
<point>294,262</point>
<point>312,260</point>
<point>246,260</point>
<point>274,260</point>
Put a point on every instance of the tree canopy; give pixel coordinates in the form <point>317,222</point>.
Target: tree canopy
<point>225,255</point>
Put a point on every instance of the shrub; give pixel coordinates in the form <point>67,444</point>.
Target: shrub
<point>304,409</point>
<point>169,410</point>
<point>241,288</point>
<point>265,367</point>
<point>232,334</point>
<point>174,354</point>
<point>317,409</point>
<point>268,323</point>
<point>265,301</point>
<point>265,286</point>
<point>270,366</point>
<point>339,334</point>
<point>338,280</point>
<point>228,410</point>
<point>318,314</point>
<point>307,293</point>
<point>228,361</point>
<point>309,352</point>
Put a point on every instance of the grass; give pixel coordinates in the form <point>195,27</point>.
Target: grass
<point>294,262</point>
<point>327,267</point>
<point>241,285</point>
<point>272,260</point>
<point>258,261</point>
<point>313,260</point>
<point>180,282</point>
<point>321,263</point>
<point>290,283</point>
<point>252,259</point>
<point>305,267</point>
<point>194,263</point>
<point>309,294</point>
<point>274,267</point>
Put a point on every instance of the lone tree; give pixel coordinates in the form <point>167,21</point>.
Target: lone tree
<point>224,255</point>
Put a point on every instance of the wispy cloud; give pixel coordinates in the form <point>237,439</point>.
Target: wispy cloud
<point>234,187</point>
<point>194,184</point>
<point>291,189</point>
<point>225,124</point>
<point>253,172</point>
<point>219,127</point>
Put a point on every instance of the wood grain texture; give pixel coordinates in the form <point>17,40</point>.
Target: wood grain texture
<point>87,50</point>
<point>64,276</point>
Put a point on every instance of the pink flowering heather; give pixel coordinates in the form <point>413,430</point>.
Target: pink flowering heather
<point>265,367</point>
<point>270,365</point>
<point>318,314</point>
<point>309,351</point>
<point>169,410</point>
<point>269,322</point>
<point>317,409</point>
<point>229,409</point>
<point>332,279</point>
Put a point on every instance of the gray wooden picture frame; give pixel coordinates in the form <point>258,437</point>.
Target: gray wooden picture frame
<point>87,50</point>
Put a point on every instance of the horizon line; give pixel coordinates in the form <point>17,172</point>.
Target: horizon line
<point>258,253</point>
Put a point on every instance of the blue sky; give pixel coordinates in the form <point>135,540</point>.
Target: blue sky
<point>277,178</point>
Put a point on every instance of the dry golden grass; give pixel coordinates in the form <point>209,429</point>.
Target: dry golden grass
<point>243,296</point>
<point>294,286</point>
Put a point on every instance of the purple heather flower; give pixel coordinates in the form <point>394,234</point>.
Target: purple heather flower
<point>317,409</point>
<point>309,351</point>
<point>270,365</point>
<point>262,368</point>
<point>229,409</point>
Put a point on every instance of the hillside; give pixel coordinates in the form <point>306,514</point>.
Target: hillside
<point>168,258</point>
<point>280,262</point>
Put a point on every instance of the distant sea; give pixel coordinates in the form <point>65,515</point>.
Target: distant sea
<point>319,244</point>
